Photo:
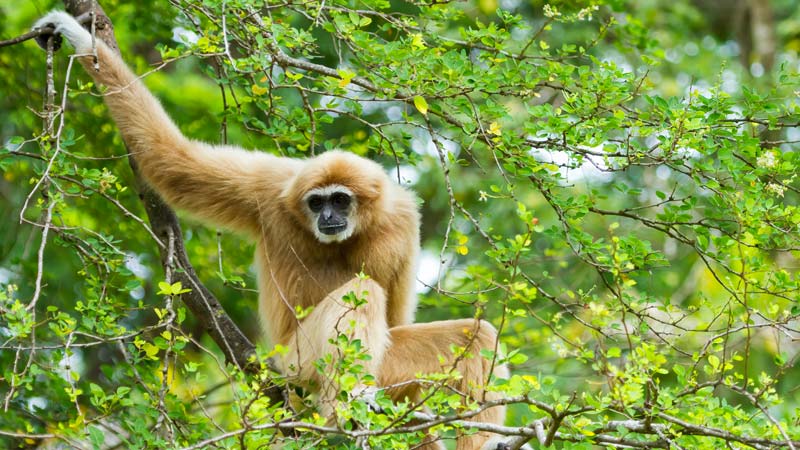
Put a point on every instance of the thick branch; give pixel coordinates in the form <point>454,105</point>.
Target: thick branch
<point>200,301</point>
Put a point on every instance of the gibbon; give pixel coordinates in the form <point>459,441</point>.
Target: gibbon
<point>317,223</point>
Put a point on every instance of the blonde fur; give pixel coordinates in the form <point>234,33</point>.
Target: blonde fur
<point>264,196</point>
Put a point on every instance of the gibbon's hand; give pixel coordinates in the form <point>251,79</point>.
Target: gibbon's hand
<point>64,25</point>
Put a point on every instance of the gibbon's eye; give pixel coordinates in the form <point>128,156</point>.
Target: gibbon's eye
<point>340,200</point>
<point>315,203</point>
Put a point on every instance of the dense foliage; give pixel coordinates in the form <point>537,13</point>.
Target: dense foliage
<point>605,181</point>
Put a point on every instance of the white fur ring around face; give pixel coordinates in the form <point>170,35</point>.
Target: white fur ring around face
<point>66,26</point>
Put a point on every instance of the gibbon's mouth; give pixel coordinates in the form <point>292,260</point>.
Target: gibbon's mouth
<point>331,230</point>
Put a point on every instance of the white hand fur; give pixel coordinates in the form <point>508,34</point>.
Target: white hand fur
<point>68,27</point>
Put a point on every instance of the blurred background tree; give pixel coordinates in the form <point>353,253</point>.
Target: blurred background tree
<point>611,183</point>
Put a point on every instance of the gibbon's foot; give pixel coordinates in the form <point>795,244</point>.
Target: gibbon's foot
<point>64,25</point>
<point>368,395</point>
<point>496,442</point>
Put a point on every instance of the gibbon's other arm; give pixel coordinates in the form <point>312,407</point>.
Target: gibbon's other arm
<point>224,185</point>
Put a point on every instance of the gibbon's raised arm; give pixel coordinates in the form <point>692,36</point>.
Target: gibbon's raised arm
<point>219,184</point>
<point>325,219</point>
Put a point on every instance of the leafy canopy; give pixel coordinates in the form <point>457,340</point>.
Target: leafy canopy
<point>599,179</point>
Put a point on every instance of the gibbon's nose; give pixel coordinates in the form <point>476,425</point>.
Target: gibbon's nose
<point>326,214</point>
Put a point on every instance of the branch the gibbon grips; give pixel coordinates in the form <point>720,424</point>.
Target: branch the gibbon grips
<point>201,302</point>
<point>46,28</point>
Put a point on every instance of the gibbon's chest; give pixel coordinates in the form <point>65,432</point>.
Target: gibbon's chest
<point>301,271</point>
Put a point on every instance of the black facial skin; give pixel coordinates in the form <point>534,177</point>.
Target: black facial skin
<point>332,211</point>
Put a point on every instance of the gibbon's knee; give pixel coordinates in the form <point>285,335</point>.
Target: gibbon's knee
<point>359,300</point>
<point>427,348</point>
<point>357,309</point>
<point>337,315</point>
<point>363,289</point>
<point>476,370</point>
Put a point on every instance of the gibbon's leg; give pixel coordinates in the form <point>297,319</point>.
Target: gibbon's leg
<point>332,317</point>
<point>416,349</point>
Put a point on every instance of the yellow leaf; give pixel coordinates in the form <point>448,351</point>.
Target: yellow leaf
<point>205,45</point>
<point>583,423</point>
<point>532,380</point>
<point>417,42</point>
<point>487,6</point>
<point>550,167</point>
<point>346,77</point>
<point>151,350</point>
<point>421,104</point>
<point>294,76</point>
<point>79,420</point>
<point>258,90</point>
<point>494,128</point>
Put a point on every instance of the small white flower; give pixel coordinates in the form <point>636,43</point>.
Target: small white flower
<point>551,11</point>
<point>586,13</point>
<point>767,160</point>
<point>776,189</point>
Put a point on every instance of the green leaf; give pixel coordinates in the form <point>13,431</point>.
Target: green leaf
<point>518,358</point>
<point>175,288</point>
<point>96,437</point>
<point>714,361</point>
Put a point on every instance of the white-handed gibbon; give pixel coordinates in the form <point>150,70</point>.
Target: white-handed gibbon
<point>317,222</point>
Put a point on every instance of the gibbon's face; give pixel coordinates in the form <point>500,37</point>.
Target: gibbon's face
<point>331,212</point>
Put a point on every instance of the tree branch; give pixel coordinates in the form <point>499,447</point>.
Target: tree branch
<point>24,37</point>
<point>201,302</point>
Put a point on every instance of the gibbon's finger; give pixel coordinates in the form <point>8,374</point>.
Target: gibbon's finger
<point>46,33</point>
<point>64,25</point>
